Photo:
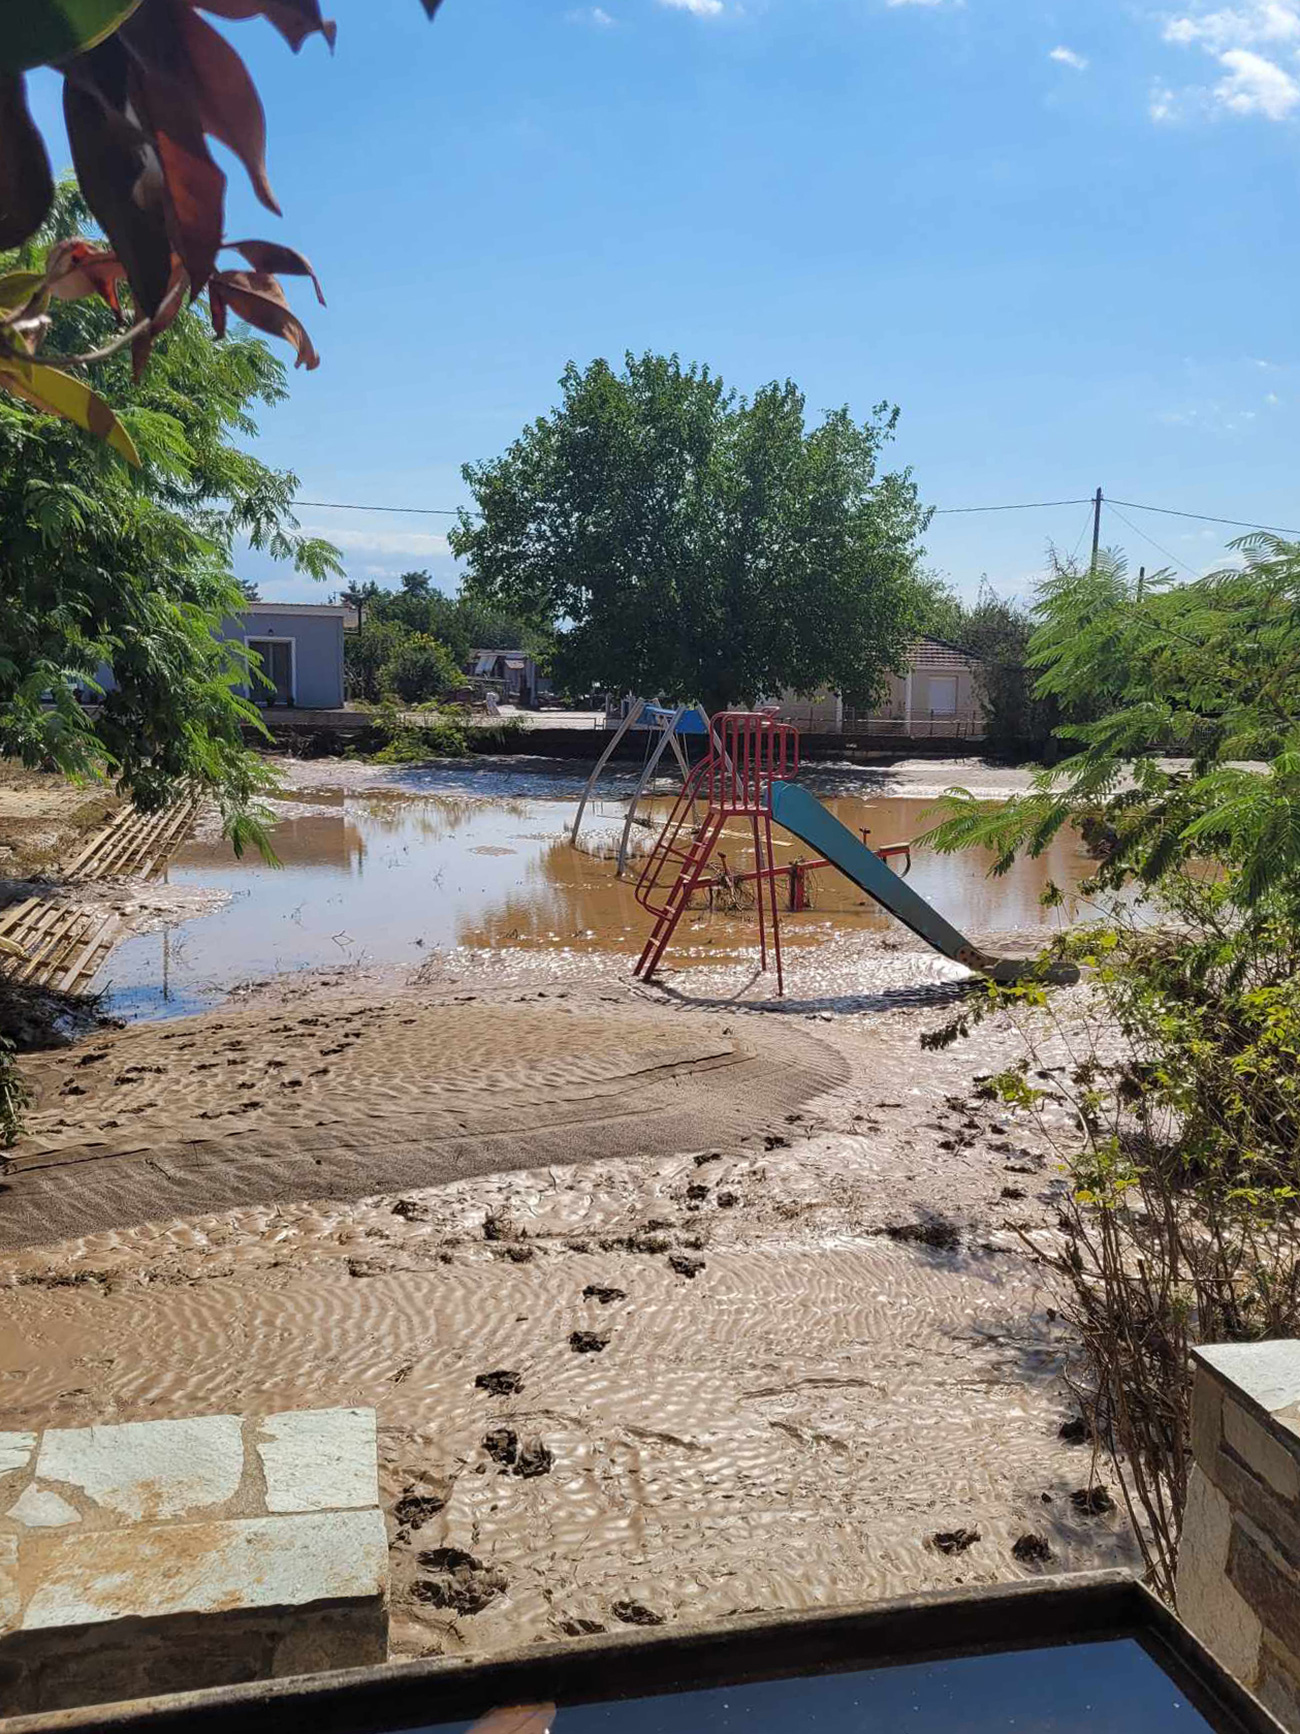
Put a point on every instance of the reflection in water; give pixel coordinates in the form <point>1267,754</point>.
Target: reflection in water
<point>1098,1688</point>
<point>386,878</point>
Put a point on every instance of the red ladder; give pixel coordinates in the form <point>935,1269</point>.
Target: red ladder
<point>748,752</point>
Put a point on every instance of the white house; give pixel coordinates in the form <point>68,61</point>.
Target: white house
<point>937,696</point>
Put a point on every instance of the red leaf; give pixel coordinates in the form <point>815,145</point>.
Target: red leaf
<point>26,186</point>
<point>258,298</point>
<point>118,170</point>
<point>229,105</point>
<point>165,90</point>
<point>296,20</point>
<point>75,269</point>
<point>271,256</point>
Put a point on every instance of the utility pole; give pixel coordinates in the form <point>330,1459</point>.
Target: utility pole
<point>1096,530</point>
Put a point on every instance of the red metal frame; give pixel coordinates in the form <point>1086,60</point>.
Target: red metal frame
<point>748,752</point>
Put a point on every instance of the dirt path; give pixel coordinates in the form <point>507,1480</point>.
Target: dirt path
<point>720,1374</point>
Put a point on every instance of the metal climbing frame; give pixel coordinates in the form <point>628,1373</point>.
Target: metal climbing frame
<point>748,753</point>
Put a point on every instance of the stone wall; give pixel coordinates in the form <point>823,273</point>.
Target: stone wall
<point>156,1556</point>
<point>1239,1562</point>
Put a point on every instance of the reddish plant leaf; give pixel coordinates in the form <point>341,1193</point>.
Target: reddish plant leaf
<point>229,106</point>
<point>165,90</point>
<point>118,170</point>
<point>75,269</point>
<point>271,256</point>
<point>257,297</point>
<point>296,20</point>
<point>26,186</point>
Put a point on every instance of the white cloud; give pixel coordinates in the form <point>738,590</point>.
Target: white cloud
<point>699,8</point>
<point>1261,22</point>
<point>596,15</point>
<point>384,541</point>
<point>1255,85</point>
<point>1068,57</point>
<point>1253,82</point>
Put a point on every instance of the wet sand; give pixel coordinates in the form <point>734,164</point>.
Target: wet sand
<point>757,1353</point>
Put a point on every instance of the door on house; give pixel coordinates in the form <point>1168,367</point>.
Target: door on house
<point>943,695</point>
<point>277,667</point>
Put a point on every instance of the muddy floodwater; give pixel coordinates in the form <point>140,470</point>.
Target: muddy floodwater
<point>395,875</point>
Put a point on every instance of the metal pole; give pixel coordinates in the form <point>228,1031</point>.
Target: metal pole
<point>1096,530</point>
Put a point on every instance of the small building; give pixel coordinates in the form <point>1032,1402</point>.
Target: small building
<point>937,696</point>
<point>301,649</point>
<point>510,674</point>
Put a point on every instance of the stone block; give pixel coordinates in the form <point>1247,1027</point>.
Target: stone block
<point>319,1459</point>
<point>1278,1686</point>
<point>1207,1602</point>
<point>268,1563</point>
<point>1263,1453</point>
<point>1207,1419</point>
<point>1252,1496</point>
<point>1267,1582</point>
<point>15,1451</point>
<point>9,1604</point>
<point>1268,1373</point>
<point>42,1508</point>
<point>149,1470</point>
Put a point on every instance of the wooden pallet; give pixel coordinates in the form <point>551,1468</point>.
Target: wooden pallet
<point>63,946</point>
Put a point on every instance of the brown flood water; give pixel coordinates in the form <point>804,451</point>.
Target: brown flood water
<point>390,878</point>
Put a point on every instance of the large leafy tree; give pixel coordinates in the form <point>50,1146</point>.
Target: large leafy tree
<point>697,543</point>
<point>101,563</point>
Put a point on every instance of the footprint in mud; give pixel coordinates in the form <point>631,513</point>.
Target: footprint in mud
<point>581,1628</point>
<point>1032,1549</point>
<point>1092,1501</point>
<point>420,1500</point>
<point>954,1540</point>
<point>464,1584</point>
<point>636,1614</point>
<point>587,1342</point>
<point>502,1446</point>
<point>501,1383</point>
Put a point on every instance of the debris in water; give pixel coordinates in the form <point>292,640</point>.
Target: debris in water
<point>464,1584</point>
<point>581,1628</point>
<point>728,1200</point>
<point>411,1209</point>
<point>685,1265</point>
<point>605,1296</point>
<point>1075,1431</point>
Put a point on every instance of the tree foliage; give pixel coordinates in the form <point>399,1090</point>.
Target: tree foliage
<point>146,84</point>
<point>393,652</point>
<point>1184,1218</point>
<point>696,543</point>
<point>103,565</point>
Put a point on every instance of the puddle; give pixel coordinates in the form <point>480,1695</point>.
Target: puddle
<point>390,877</point>
<point>1112,1686</point>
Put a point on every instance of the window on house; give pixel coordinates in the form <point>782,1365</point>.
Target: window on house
<point>943,695</point>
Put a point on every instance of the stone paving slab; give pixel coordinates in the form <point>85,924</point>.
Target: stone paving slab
<point>144,1556</point>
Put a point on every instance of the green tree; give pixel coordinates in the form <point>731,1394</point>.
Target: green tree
<point>418,669</point>
<point>102,564</point>
<point>1183,1219</point>
<point>697,543</point>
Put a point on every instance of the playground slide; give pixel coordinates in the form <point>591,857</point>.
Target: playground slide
<point>805,817</point>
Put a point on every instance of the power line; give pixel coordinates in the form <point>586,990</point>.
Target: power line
<point>1202,517</point>
<point>939,512</point>
<point>1156,545</point>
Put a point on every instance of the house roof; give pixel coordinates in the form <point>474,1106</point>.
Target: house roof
<point>927,651</point>
<point>327,610</point>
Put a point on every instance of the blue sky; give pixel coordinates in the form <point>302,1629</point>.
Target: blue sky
<point>1062,238</point>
